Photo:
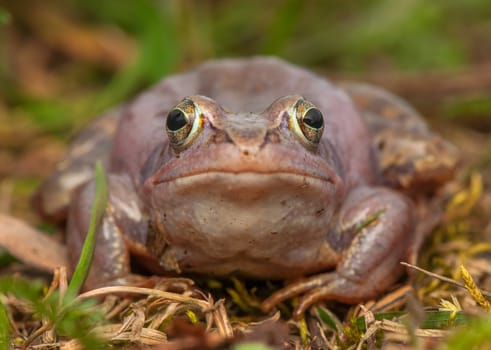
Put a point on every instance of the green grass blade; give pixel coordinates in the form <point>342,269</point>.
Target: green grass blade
<point>97,212</point>
<point>326,318</point>
<point>443,319</point>
<point>5,328</point>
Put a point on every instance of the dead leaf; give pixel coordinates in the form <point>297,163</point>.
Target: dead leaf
<point>30,245</point>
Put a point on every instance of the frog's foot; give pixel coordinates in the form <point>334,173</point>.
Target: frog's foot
<point>326,286</point>
<point>310,286</point>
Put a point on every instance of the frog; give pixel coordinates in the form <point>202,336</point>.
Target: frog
<point>258,168</point>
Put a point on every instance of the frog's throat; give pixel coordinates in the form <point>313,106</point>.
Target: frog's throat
<point>238,220</point>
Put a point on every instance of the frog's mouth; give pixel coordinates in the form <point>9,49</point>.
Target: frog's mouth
<point>271,159</point>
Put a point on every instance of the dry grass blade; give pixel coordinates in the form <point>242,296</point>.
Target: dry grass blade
<point>44,328</point>
<point>395,332</point>
<point>146,291</point>
<point>116,332</point>
<point>391,326</point>
<point>114,306</point>
<point>134,323</point>
<point>222,321</point>
<point>390,301</point>
<point>214,312</point>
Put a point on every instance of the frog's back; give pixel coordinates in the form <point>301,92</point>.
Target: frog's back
<point>410,156</point>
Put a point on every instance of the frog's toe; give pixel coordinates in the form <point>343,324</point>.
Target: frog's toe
<point>340,289</point>
<point>327,286</point>
<point>297,288</point>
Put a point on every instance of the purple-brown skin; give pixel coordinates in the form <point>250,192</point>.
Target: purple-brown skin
<point>247,187</point>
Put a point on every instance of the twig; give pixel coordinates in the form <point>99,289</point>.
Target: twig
<point>442,278</point>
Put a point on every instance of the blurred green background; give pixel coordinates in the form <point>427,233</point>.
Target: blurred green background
<point>64,61</point>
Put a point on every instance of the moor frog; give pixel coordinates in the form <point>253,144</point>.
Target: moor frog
<point>258,168</point>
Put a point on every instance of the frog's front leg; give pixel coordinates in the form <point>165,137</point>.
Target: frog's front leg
<point>122,232</point>
<point>373,233</point>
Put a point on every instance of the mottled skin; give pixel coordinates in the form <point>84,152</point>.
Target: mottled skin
<point>244,190</point>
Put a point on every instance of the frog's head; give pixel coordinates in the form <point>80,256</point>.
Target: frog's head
<point>248,184</point>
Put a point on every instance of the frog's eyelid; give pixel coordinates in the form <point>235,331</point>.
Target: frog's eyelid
<point>197,122</point>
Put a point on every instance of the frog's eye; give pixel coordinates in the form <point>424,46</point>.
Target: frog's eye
<point>183,123</point>
<point>307,121</point>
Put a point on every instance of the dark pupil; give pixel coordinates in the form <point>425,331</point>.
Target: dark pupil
<point>313,118</point>
<point>176,120</point>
